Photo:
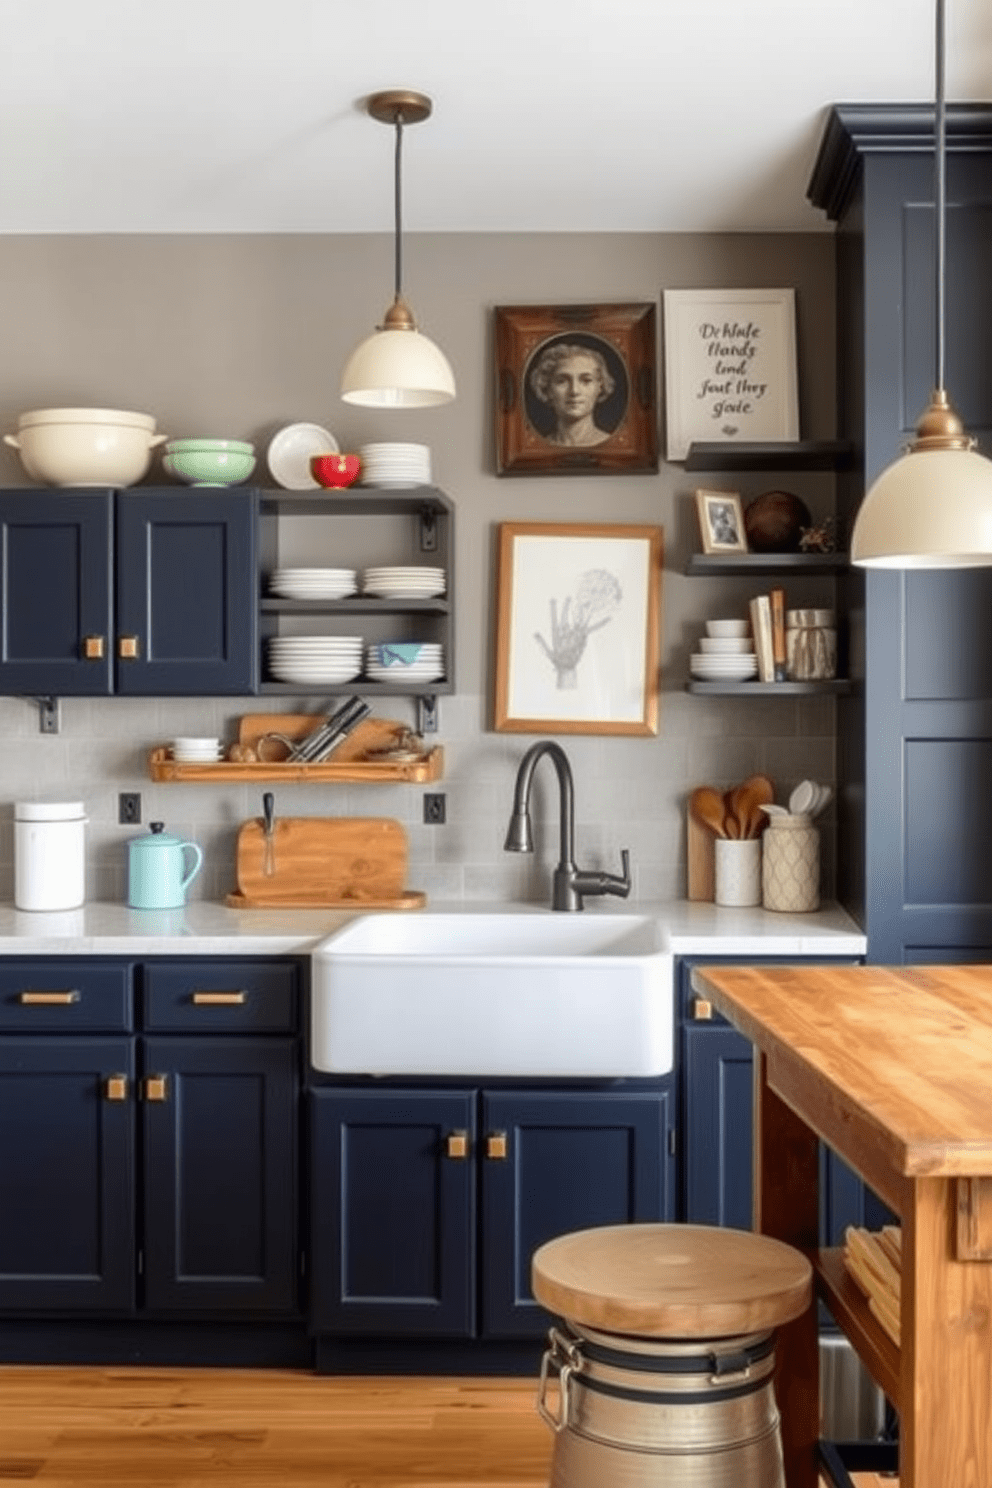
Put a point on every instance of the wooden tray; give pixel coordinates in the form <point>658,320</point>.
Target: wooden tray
<point>326,862</point>
<point>349,764</point>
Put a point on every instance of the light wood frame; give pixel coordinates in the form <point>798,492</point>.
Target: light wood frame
<point>715,536</point>
<point>578,628</point>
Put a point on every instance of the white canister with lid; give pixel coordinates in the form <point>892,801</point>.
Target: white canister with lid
<point>49,855</point>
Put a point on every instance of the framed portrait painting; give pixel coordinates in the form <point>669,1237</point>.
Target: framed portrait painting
<point>576,389</point>
<point>578,628</point>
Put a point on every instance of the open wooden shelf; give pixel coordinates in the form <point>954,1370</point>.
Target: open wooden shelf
<point>849,1306</point>
<point>738,565</point>
<point>832,686</point>
<point>801,454</point>
<point>162,767</point>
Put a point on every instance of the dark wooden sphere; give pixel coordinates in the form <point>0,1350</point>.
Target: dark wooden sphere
<point>773,522</point>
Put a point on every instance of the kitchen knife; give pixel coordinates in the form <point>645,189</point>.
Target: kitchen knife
<point>269,808</point>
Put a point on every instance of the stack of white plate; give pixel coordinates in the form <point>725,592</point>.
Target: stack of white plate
<point>405,661</point>
<point>395,464</point>
<point>196,751</point>
<point>724,658</point>
<point>314,583</point>
<point>404,583</point>
<point>314,659</point>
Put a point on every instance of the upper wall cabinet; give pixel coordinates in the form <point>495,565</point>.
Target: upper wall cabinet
<point>139,592</point>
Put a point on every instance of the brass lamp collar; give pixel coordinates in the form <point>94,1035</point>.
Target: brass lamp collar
<point>399,317</point>
<point>939,428</point>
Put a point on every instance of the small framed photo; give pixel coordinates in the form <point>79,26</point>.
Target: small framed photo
<point>576,389</point>
<point>578,627</point>
<point>721,522</point>
<point>730,367</point>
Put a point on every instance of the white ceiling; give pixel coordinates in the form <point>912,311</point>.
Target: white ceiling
<point>550,115</point>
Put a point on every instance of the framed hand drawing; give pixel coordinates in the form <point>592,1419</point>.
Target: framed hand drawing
<point>578,628</point>
<point>730,367</point>
<point>576,389</point>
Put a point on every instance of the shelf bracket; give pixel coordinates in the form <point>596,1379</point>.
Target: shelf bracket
<point>427,714</point>
<point>49,718</point>
<point>428,530</point>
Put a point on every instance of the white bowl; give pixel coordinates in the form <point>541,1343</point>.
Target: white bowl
<point>727,628</point>
<point>726,645</point>
<point>84,452</point>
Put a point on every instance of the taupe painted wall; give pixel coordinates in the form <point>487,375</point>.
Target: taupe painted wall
<point>237,336</point>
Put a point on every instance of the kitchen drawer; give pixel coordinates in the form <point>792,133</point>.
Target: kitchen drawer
<point>220,996</point>
<point>62,996</point>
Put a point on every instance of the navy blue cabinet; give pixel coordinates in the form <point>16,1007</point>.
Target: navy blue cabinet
<point>137,592</point>
<point>427,1205</point>
<point>149,1138</point>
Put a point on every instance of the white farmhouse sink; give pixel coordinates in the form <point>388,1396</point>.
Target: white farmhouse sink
<point>493,994</point>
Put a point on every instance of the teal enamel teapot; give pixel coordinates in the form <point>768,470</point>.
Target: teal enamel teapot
<point>159,871</point>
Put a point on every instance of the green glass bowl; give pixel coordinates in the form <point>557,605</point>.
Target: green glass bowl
<point>209,467</point>
<point>235,446</point>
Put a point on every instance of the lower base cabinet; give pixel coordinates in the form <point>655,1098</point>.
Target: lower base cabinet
<point>149,1143</point>
<point>426,1205</point>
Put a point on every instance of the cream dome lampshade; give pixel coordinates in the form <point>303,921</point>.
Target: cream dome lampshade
<point>932,508</point>
<point>398,366</point>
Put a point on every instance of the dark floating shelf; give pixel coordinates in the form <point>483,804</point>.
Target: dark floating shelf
<point>835,687</point>
<point>806,454</point>
<point>714,564</point>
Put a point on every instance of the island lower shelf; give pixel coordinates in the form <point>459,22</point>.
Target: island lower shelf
<point>849,1306</point>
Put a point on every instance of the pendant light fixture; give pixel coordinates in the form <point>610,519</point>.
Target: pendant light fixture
<point>398,367</point>
<point>932,508</point>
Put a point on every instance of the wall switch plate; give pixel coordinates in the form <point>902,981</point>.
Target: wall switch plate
<point>129,808</point>
<point>434,809</point>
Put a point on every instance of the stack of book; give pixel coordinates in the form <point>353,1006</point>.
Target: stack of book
<point>768,629</point>
<point>874,1260</point>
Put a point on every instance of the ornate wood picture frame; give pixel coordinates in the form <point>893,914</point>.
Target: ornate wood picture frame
<point>578,628</point>
<point>576,389</point>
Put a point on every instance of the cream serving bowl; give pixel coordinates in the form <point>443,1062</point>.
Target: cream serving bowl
<point>85,446</point>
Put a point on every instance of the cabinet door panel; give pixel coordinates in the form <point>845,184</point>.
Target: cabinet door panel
<point>574,1161</point>
<point>186,590</point>
<point>221,1193</point>
<point>66,1185</point>
<point>393,1215</point>
<point>55,589</point>
<point>718,1126</point>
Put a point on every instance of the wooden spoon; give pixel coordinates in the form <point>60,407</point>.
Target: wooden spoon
<point>746,801</point>
<point>706,805</point>
<point>733,822</point>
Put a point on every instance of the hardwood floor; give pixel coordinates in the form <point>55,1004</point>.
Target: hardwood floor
<point>174,1428</point>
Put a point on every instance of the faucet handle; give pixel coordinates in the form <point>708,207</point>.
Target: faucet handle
<point>625,865</point>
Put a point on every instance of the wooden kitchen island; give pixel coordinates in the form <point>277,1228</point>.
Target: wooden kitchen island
<point>892,1067</point>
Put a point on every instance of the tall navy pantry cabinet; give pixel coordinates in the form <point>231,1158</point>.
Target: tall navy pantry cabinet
<point>141,592</point>
<point>915,733</point>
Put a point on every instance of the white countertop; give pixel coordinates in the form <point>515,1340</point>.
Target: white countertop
<point>208,929</point>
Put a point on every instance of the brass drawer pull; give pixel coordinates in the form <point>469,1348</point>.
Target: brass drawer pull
<point>219,999</point>
<point>701,1009</point>
<point>48,999</point>
<point>127,647</point>
<point>93,647</point>
<point>155,1088</point>
<point>497,1148</point>
<point>458,1145</point>
<point>115,1088</point>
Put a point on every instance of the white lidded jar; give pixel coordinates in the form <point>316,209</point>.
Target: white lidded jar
<point>49,854</point>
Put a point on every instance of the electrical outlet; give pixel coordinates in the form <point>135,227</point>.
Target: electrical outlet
<point>434,809</point>
<point>129,808</point>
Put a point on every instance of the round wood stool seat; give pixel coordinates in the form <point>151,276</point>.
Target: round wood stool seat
<point>672,1280</point>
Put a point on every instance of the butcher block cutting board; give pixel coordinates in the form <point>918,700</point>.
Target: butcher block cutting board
<point>327,862</point>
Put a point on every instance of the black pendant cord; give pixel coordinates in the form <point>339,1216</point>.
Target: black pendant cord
<point>940,192</point>
<point>398,206</point>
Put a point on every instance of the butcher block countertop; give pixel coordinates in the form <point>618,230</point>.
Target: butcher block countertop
<point>892,1067</point>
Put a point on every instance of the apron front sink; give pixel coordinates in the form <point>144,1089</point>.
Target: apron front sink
<point>540,994</point>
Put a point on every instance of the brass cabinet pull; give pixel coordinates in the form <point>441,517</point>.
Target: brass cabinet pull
<point>458,1145</point>
<point>155,1088</point>
<point>127,647</point>
<point>219,999</point>
<point>49,999</point>
<point>93,647</point>
<point>115,1088</point>
<point>496,1146</point>
<point>701,1009</point>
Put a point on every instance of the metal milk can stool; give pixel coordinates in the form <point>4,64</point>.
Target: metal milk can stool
<point>664,1364</point>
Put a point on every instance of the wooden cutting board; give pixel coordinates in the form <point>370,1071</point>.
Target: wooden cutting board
<point>329,862</point>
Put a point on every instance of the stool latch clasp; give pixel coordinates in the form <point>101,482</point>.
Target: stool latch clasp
<point>565,1356</point>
